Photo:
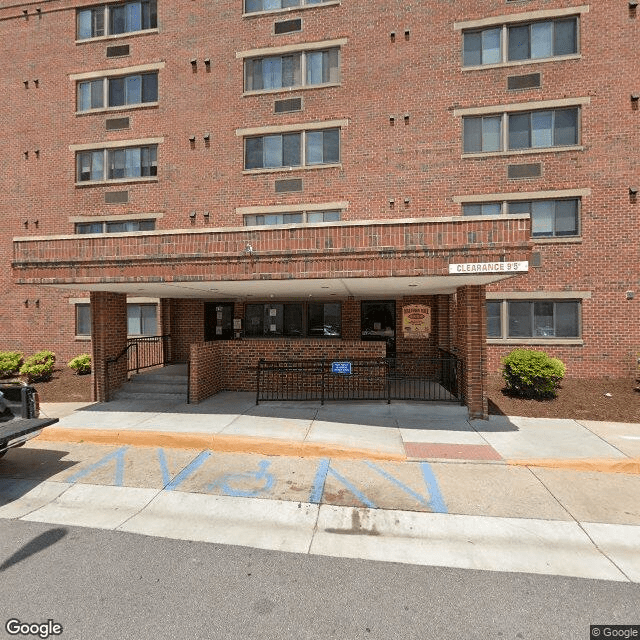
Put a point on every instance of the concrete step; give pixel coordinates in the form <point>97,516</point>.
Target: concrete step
<point>158,377</point>
<point>147,398</point>
<point>149,386</point>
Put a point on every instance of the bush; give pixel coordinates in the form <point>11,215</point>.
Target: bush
<point>39,366</point>
<point>81,363</point>
<point>532,374</point>
<point>10,362</point>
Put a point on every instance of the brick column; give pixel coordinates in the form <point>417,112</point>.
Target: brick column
<point>351,319</point>
<point>109,339</point>
<point>165,316</point>
<point>471,342</point>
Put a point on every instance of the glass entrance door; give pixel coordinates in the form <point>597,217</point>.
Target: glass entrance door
<point>378,322</point>
<point>218,321</point>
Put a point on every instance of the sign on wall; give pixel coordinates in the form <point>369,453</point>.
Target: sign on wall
<point>416,321</point>
<point>489,267</point>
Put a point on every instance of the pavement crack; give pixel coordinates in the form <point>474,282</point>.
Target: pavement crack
<point>597,435</point>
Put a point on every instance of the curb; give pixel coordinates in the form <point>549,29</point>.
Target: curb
<point>630,465</point>
<point>214,442</point>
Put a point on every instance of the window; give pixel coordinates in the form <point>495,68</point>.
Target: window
<point>293,320</point>
<point>291,218</point>
<point>253,6</point>
<point>305,68</point>
<point>117,164</point>
<point>549,218</point>
<point>113,19</point>
<point>524,130</point>
<point>542,319</point>
<point>83,319</point>
<point>115,226</point>
<point>297,149</point>
<point>117,92</point>
<point>533,41</point>
<point>141,320</point>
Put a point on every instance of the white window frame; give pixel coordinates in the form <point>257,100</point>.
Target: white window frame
<point>105,92</point>
<point>107,8</point>
<point>304,4</point>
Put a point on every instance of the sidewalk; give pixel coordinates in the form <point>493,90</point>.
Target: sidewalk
<point>374,430</point>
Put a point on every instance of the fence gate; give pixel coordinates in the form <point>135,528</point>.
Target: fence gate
<point>359,379</point>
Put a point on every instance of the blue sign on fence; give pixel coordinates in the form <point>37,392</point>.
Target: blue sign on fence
<point>343,368</point>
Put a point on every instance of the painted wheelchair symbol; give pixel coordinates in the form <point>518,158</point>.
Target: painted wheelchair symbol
<point>237,484</point>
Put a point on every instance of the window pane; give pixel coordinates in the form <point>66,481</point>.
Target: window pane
<point>291,70</point>
<point>272,73</point>
<point>565,37</point>
<point>117,160</point>
<point>89,227</point>
<point>472,54</point>
<point>148,319</point>
<point>291,218</point>
<point>567,320</point>
<point>314,147</point>
<point>519,135</point>
<point>493,320</point>
<point>254,75</point>
<point>472,135</point>
<point>541,129</point>
<point>491,209</point>
<point>542,40</point>
<point>147,225</point>
<point>519,43</point>
<point>116,92</point>
<point>97,165</point>
<point>133,163</point>
<point>324,319</point>
<point>291,149</point>
<point>542,218</point>
<point>471,209</point>
<point>519,207</point>
<point>253,320</point>
<point>519,319</point>
<point>491,134</point>
<point>253,153</point>
<point>331,145</point>
<point>293,320</point>
<point>84,24</point>
<point>543,319</point>
<point>491,46</point>
<point>332,66</point>
<point>250,6</point>
<point>134,16</point>
<point>314,67</point>
<point>134,89</point>
<point>117,19</point>
<point>116,227</point>
<point>567,218</point>
<point>331,216</point>
<point>272,151</point>
<point>150,87</point>
<point>97,94</point>
<point>134,326</point>
<point>84,96</point>
<point>566,127</point>
<point>270,4</point>
<point>83,320</point>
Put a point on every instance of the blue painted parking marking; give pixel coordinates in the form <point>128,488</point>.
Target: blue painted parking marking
<point>352,489</point>
<point>385,474</point>
<point>164,469</point>
<point>117,455</point>
<point>262,476</point>
<point>189,470</point>
<point>437,501</point>
<point>318,482</point>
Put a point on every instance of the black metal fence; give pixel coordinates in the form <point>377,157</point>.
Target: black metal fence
<point>359,379</point>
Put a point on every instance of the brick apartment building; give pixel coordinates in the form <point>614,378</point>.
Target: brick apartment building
<point>284,178</point>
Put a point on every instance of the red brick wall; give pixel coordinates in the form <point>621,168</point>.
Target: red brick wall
<point>205,370</point>
<point>418,159</point>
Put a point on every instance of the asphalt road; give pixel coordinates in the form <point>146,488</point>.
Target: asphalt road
<point>115,585</point>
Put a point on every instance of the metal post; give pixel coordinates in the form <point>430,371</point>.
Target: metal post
<point>258,380</point>
<point>323,366</point>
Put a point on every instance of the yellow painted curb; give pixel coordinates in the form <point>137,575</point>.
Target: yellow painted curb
<point>214,442</point>
<point>631,465</point>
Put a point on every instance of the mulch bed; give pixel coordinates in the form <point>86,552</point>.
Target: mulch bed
<point>578,399</point>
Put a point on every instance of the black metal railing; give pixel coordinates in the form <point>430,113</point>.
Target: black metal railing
<point>148,351</point>
<point>141,353</point>
<point>359,379</point>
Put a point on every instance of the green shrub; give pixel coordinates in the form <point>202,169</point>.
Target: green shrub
<point>532,374</point>
<point>10,362</point>
<point>81,363</point>
<point>39,366</point>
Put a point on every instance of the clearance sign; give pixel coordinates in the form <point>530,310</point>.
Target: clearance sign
<point>489,267</point>
<point>416,321</point>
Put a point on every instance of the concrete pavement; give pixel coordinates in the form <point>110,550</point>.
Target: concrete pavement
<point>372,430</point>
